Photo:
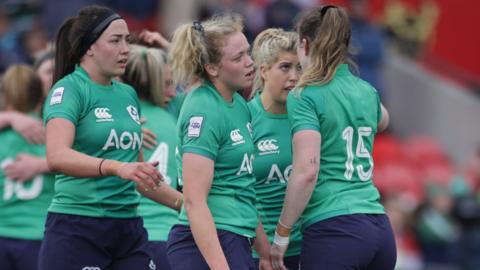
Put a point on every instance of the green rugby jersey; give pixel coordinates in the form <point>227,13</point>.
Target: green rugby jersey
<point>107,125</point>
<point>176,104</point>
<point>221,131</point>
<point>159,219</point>
<point>346,112</point>
<point>23,206</point>
<point>272,166</point>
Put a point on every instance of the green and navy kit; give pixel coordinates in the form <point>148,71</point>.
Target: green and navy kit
<point>23,205</point>
<point>346,112</point>
<point>176,104</point>
<point>221,131</point>
<point>107,125</point>
<point>159,219</point>
<point>272,166</point>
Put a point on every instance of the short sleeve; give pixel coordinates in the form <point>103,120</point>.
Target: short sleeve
<point>64,101</point>
<point>201,133</point>
<point>379,107</point>
<point>303,112</point>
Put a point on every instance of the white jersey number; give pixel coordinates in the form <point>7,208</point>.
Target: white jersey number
<point>361,152</point>
<point>161,155</point>
<point>18,188</point>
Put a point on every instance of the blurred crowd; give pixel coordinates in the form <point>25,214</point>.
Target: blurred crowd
<point>433,204</point>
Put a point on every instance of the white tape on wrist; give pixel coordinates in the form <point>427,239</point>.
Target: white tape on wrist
<point>281,240</point>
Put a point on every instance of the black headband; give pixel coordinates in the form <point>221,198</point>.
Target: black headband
<point>101,23</point>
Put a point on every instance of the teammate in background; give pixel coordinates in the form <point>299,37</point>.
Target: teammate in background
<point>334,117</point>
<point>93,138</point>
<point>148,72</point>
<point>173,106</point>
<point>218,220</point>
<point>26,187</point>
<point>44,65</point>
<point>276,62</point>
<point>31,128</point>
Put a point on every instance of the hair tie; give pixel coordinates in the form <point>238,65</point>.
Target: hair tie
<point>197,25</point>
<point>324,9</point>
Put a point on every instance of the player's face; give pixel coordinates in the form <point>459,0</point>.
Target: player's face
<point>168,87</point>
<point>45,72</point>
<point>282,76</point>
<point>110,51</point>
<point>236,66</point>
<point>302,54</point>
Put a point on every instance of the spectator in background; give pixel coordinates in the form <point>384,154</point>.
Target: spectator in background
<point>467,211</point>
<point>281,14</point>
<point>367,43</point>
<point>437,233</point>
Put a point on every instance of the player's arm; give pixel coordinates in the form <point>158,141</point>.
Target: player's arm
<point>384,121</point>
<point>60,134</point>
<point>262,246</point>
<point>162,193</point>
<point>30,128</point>
<point>197,181</point>
<point>25,167</point>
<point>165,195</point>
<point>302,181</point>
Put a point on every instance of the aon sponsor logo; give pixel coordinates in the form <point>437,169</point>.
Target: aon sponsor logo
<point>126,140</point>
<point>247,164</point>
<point>276,174</point>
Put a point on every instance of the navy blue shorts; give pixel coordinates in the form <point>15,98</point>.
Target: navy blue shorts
<point>79,242</point>
<point>19,254</point>
<point>358,241</point>
<point>290,262</point>
<point>159,253</point>
<point>183,254</point>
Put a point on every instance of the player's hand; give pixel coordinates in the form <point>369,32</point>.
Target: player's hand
<point>265,264</point>
<point>30,128</point>
<point>276,256</point>
<point>149,139</point>
<point>154,39</point>
<point>145,174</point>
<point>25,167</point>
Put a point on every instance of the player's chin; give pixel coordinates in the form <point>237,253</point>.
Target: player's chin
<point>246,84</point>
<point>119,71</point>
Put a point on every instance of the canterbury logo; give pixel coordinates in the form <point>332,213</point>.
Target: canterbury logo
<point>102,115</point>
<point>267,146</point>
<point>235,135</point>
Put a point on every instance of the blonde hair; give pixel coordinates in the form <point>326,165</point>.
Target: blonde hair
<point>266,48</point>
<point>22,88</point>
<point>197,44</point>
<point>144,72</point>
<point>327,31</point>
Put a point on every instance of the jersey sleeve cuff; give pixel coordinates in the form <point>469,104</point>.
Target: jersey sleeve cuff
<point>305,127</point>
<point>199,151</point>
<point>62,115</point>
